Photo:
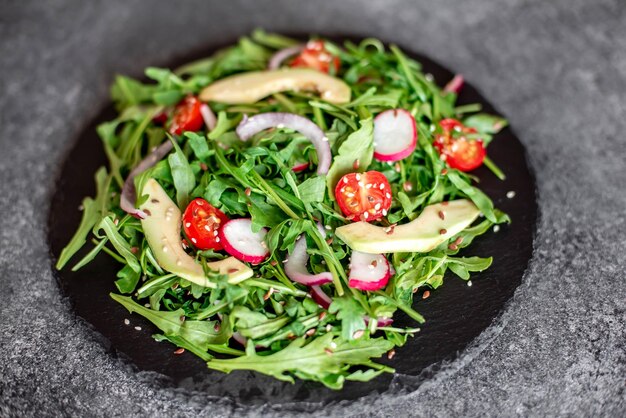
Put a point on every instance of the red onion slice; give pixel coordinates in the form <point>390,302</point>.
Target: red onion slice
<point>455,85</point>
<point>282,55</point>
<point>209,117</point>
<point>320,297</point>
<point>295,266</point>
<point>250,126</point>
<point>129,194</point>
<point>381,321</point>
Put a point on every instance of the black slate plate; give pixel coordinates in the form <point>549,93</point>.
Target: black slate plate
<point>456,313</point>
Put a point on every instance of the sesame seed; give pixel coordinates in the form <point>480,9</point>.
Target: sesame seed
<point>333,345</point>
<point>368,186</point>
<point>391,353</point>
<point>327,227</point>
<point>188,224</point>
<point>365,215</point>
<point>382,186</point>
<point>138,328</point>
<point>442,215</point>
<point>496,228</point>
<point>217,239</point>
<point>328,327</point>
<point>510,194</point>
<point>426,294</point>
<point>179,351</point>
<point>147,305</point>
<point>280,125</point>
<point>377,206</point>
<point>384,212</point>
<point>469,283</point>
<point>345,179</point>
<point>195,241</point>
<point>126,322</point>
<point>388,195</point>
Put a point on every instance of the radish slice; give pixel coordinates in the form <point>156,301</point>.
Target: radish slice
<point>129,194</point>
<point>282,55</point>
<point>320,297</point>
<point>208,116</point>
<point>300,167</point>
<point>240,242</point>
<point>455,85</point>
<point>250,126</point>
<point>395,135</point>
<point>368,271</point>
<point>295,266</point>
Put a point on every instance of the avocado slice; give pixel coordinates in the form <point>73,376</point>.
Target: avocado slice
<point>250,87</point>
<point>421,235</point>
<point>161,228</point>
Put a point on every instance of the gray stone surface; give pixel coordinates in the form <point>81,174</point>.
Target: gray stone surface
<point>557,69</point>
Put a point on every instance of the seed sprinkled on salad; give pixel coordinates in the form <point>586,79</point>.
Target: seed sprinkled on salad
<point>313,187</point>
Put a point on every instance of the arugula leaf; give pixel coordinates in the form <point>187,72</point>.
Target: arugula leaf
<point>173,323</point>
<point>312,189</point>
<point>323,359</point>
<point>479,198</point>
<point>351,314</point>
<point>184,179</point>
<point>358,146</point>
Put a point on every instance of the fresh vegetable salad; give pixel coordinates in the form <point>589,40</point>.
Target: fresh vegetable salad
<point>275,206</point>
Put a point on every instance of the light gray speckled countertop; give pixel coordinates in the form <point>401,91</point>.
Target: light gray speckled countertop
<point>557,69</point>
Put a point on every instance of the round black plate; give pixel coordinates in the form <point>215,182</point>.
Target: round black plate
<point>456,313</point>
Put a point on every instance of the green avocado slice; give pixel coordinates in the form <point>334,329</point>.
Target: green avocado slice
<point>161,228</point>
<point>421,235</point>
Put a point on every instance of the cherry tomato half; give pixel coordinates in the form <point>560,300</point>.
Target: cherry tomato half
<point>364,196</point>
<point>187,116</point>
<point>456,149</point>
<point>201,223</point>
<point>316,56</point>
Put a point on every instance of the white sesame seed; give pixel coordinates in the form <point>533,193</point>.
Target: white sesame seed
<point>358,177</point>
<point>126,321</point>
<point>377,206</point>
<point>328,327</point>
<point>429,77</point>
<point>365,215</point>
<point>217,239</point>
<point>327,227</point>
<point>510,194</point>
<point>147,305</point>
<point>388,196</point>
<point>333,345</point>
<point>361,184</point>
<point>384,212</point>
<point>280,125</point>
<point>195,241</point>
<point>325,139</point>
<point>345,179</point>
<point>138,328</point>
<point>382,186</point>
<point>469,283</point>
<point>496,228</point>
<point>368,186</point>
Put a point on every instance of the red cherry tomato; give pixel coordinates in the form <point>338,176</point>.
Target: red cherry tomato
<point>201,223</point>
<point>364,196</point>
<point>187,116</point>
<point>316,56</point>
<point>456,149</point>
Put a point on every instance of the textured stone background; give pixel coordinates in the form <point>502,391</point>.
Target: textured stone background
<point>557,69</point>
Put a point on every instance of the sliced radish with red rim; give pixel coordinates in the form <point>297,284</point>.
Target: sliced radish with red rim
<point>368,271</point>
<point>395,135</point>
<point>241,242</point>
